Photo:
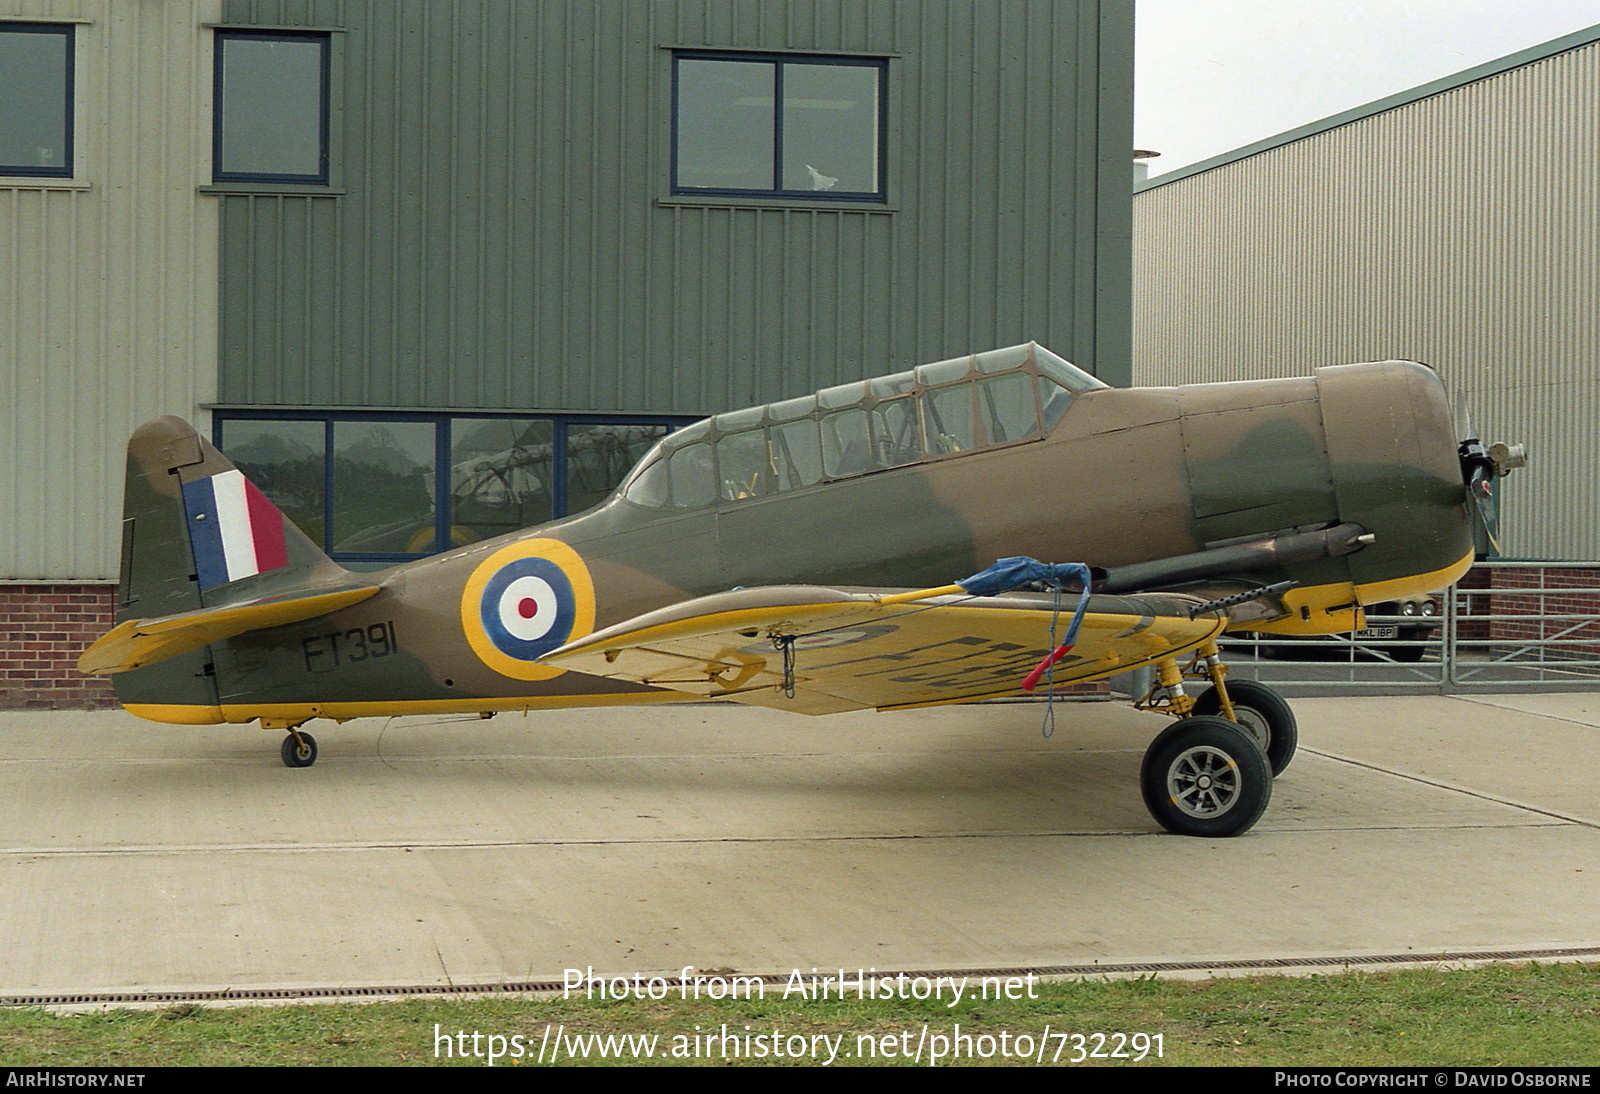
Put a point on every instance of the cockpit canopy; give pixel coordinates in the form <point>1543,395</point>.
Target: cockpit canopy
<point>934,412</point>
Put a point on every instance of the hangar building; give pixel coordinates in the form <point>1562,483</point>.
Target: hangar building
<point>1456,224</point>
<point>432,271</point>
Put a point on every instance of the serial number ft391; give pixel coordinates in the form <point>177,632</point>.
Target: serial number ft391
<point>324,652</point>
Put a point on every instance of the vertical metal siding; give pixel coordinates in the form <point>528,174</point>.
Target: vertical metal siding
<point>1460,230</point>
<point>107,294</point>
<point>506,237</point>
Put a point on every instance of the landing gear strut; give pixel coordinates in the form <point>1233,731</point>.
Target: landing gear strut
<point>1210,774</point>
<point>1260,712</point>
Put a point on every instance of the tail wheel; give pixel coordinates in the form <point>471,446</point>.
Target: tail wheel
<point>1260,712</point>
<point>1206,777</point>
<point>299,750</point>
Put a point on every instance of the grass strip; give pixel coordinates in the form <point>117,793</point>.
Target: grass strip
<point>1512,1015</point>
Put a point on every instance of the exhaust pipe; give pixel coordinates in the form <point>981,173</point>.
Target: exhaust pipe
<point>1239,558</point>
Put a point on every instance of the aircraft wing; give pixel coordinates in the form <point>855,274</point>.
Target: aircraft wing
<point>834,650</point>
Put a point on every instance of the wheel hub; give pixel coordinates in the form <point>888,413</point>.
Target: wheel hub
<point>1253,723</point>
<point>1203,782</point>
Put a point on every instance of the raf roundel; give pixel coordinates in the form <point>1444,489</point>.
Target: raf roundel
<point>524,601</point>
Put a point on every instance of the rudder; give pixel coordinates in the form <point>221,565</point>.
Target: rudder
<point>197,536</point>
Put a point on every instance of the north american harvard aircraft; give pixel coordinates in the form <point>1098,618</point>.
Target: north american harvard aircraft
<point>869,546</point>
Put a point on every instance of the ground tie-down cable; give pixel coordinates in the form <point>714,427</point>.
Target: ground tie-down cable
<point>1013,573</point>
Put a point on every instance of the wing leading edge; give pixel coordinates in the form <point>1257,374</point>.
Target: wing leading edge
<point>822,651</point>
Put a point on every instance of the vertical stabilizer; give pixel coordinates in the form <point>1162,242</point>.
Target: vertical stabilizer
<point>197,534</point>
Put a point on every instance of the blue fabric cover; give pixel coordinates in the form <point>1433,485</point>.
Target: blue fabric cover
<point>1013,573</point>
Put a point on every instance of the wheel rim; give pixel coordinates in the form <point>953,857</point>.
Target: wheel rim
<point>1203,782</point>
<point>1254,723</point>
<point>302,751</point>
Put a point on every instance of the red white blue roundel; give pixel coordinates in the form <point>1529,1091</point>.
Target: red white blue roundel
<point>527,608</point>
<point>524,601</point>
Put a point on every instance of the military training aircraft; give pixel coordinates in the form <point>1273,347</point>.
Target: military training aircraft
<point>869,546</point>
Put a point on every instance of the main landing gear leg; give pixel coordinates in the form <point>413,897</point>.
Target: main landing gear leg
<point>1255,708</point>
<point>1205,775</point>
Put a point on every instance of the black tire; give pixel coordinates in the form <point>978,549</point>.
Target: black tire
<point>1409,655</point>
<point>1206,777</point>
<point>1263,713</point>
<point>299,753</point>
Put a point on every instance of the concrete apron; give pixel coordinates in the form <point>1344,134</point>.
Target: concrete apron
<point>430,853</point>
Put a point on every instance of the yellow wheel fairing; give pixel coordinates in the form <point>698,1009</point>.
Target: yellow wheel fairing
<point>523,601</point>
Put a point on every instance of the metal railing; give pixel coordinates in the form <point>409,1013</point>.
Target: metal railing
<point>1508,626</point>
<point>1535,627</point>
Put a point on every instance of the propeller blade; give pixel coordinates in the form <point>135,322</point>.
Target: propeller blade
<point>1477,469</point>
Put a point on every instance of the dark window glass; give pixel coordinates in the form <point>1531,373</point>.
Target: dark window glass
<point>287,460</point>
<point>500,476</point>
<point>35,100</point>
<point>805,127</point>
<point>369,488</point>
<point>382,487</point>
<point>691,476</point>
<point>272,107</point>
<point>600,455</point>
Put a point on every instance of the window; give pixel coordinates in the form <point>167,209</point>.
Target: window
<point>271,107</point>
<point>382,497</point>
<point>500,476</point>
<point>383,488</point>
<point>36,100</point>
<point>778,126</point>
<point>599,455</point>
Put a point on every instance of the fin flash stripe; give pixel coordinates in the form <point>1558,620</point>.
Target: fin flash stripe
<point>234,530</point>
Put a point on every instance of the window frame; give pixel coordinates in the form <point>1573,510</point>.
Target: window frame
<point>67,31</point>
<point>443,422</point>
<point>323,38</point>
<point>779,62</point>
<point>857,430</point>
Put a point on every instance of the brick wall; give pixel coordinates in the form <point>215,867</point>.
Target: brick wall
<point>1567,591</point>
<point>43,628</point>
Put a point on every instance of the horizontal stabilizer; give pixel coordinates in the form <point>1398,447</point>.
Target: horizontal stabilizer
<point>819,651</point>
<point>139,642</point>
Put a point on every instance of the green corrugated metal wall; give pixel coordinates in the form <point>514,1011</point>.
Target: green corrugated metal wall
<point>503,235</point>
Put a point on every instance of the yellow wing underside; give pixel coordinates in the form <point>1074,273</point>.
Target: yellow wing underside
<point>140,642</point>
<point>857,650</point>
